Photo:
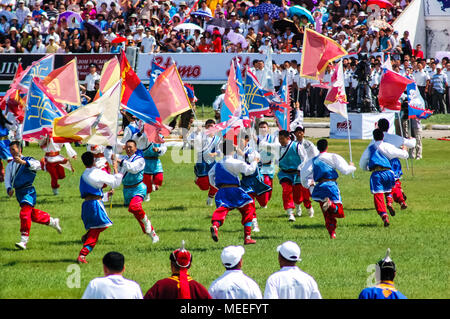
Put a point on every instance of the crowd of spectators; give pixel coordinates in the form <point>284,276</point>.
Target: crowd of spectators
<point>35,26</point>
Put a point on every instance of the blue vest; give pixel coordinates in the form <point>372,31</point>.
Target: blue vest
<point>152,165</point>
<point>396,168</point>
<point>224,177</point>
<point>290,159</point>
<point>132,179</point>
<point>3,131</point>
<point>24,176</point>
<point>377,158</point>
<point>323,170</point>
<point>381,291</point>
<point>86,189</point>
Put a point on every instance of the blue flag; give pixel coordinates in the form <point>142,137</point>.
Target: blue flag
<point>39,69</point>
<point>41,110</point>
<point>416,103</point>
<point>281,109</point>
<point>256,101</point>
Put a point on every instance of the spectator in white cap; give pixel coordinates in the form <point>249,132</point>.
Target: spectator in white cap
<point>234,284</point>
<point>52,46</point>
<point>290,282</point>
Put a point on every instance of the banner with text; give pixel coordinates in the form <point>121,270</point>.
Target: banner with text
<point>204,66</point>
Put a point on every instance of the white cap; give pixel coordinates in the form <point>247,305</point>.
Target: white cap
<point>89,3</point>
<point>224,87</point>
<point>51,37</point>
<point>290,251</point>
<point>438,66</point>
<point>232,255</point>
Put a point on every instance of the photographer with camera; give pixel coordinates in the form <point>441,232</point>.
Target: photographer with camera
<point>364,101</point>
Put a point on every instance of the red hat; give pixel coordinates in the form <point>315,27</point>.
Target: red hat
<point>182,258</point>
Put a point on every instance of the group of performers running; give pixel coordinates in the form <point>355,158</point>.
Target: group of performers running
<point>235,174</point>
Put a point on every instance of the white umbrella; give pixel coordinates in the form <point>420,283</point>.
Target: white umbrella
<point>188,26</point>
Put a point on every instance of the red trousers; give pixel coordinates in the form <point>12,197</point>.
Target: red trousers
<point>295,195</point>
<point>264,199</point>
<point>30,214</point>
<point>253,207</point>
<point>380,205</point>
<point>56,172</point>
<point>397,192</point>
<point>153,179</point>
<point>336,210</point>
<point>136,209</point>
<point>247,212</point>
<point>203,184</point>
<point>91,240</point>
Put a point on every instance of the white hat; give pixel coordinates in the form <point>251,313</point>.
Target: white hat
<point>224,87</point>
<point>89,3</point>
<point>232,255</point>
<point>438,66</point>
<point>51,38</point>
<point>290,251</point>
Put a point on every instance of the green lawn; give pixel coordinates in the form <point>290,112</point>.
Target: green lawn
<point>418,236</point>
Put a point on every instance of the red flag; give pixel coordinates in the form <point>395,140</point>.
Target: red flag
<point>318,51</point>
<point>169,94</point>
<point>392,86</point>
<point>12,90</point>
<point>62,83</point>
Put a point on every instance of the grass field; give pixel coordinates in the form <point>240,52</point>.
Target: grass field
<point>418,237</point>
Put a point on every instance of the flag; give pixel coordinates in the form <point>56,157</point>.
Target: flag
<point>318,51</point>
<point>109,77</point>
<point>392,86</point>
<point>39,69</point>
<point>95,123</point>
<point>12,91</point>
<point>169,94</point>
<point>232,98</point>
<point>416,103</point>
<point>256,102</point>
<point>135,97</point>
<point>63,85</point>
<point>336,99</point>
<point>281,109</point>
<point>155,71</point>
<point>387,63</point>
<point>40,112</point>
<point>190,92</point>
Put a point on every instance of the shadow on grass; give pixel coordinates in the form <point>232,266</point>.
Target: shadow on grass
<point>40,261</point>
<point>359,209</point>
<point>312,226</point>
<point>172,208</point>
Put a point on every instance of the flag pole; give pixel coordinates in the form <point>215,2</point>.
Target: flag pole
<point>410,135</point>
<point>350,144</point>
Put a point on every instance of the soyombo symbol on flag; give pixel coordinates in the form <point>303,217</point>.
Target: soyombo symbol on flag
<point>95,123</point>
<point>62,84</point>
<point>318,51</point>
<point>41,110</point>
<point>39,69</point>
